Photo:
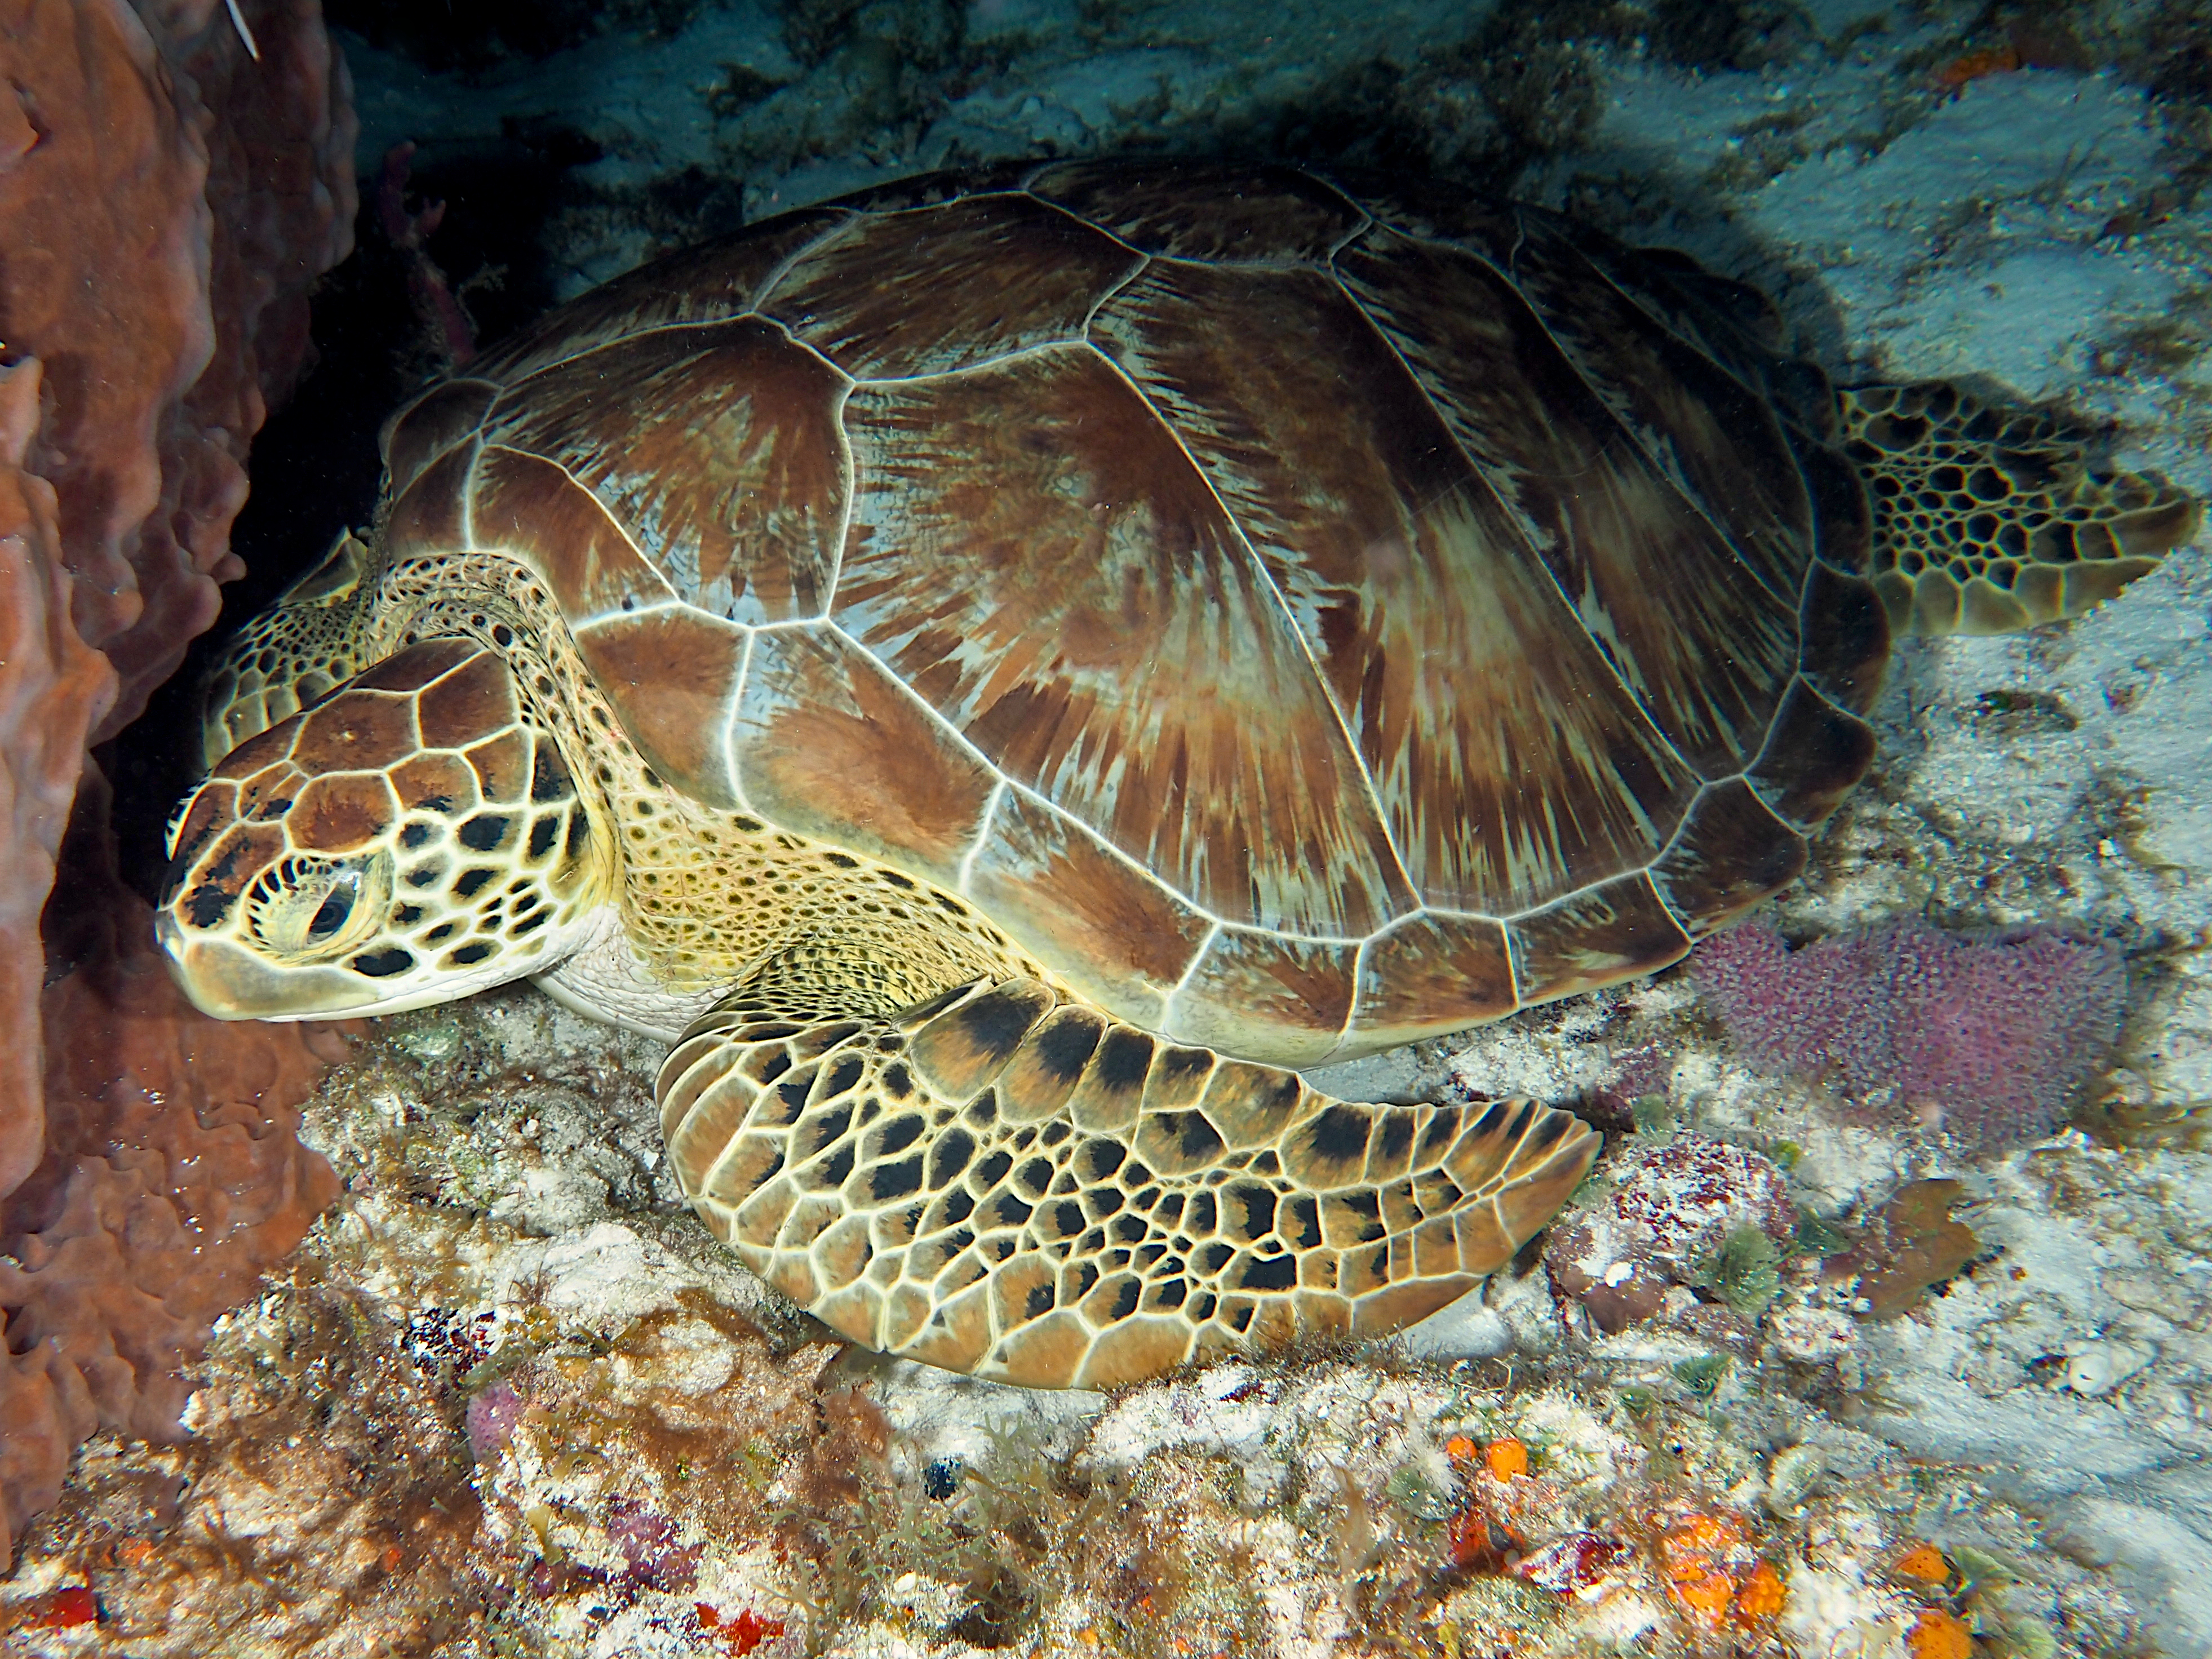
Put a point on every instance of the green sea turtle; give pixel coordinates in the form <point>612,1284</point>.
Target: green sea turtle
<point>999,671</point>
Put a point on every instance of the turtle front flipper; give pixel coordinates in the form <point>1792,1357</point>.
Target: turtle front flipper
<point>299,649</point>
<point>1988,520</point>
<point>1005,1181</point>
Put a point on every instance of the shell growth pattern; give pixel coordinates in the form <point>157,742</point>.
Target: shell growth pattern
<point>1526,575</point>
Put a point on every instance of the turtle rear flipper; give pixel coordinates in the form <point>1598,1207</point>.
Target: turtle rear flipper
<point>1005,1181</point>
<point>1988,520</point>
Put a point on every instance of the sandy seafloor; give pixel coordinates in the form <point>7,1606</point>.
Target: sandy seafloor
<point>642,1471</point>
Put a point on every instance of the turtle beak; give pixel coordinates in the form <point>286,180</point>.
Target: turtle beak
<point>169,936</point>
<point>226,981</point>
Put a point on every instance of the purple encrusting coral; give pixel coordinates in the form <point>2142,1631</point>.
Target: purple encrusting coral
<point>1994,1035</point>
<point>490,1417</point>
<point>649,1544</point>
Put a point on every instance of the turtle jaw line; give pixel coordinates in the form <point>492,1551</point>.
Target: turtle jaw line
<point>444,925</point>
<point>225,980</point>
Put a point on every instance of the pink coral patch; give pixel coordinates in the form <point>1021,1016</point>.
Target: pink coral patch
<point>1991,1037</point>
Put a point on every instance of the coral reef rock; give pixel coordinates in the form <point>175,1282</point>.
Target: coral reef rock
<point>167,195</point>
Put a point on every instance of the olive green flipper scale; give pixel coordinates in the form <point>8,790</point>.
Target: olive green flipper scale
<point>1005,1181</point>
<point>1990,520</point>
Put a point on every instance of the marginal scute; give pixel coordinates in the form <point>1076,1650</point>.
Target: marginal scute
<point>1255,992</point>
<point>671,676</point>
<point>1618,930</point>
<point>1096,920</point>
<point>430,515</point>
<point>527,507</point>
<point>706,284</point>
<point>1815,755</point>
<point>1265,215</point>
<point>935,189</point>
<point>1730,853</point>
<point>1846,635</point>
<point>1842,524</point>
<point>1427,975</point>
<point>427,428</point>
<point>1733,323</point>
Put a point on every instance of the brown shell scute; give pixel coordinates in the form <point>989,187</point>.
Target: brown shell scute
<point>1703,635</point>
<point>431,425</point>
<point>1301,625</point>
<point>744,494</point>
<point>533,509</point>
<point>1002,273</point>
<point>1099,920</point>
<point>1430,974</point>
<point>1030,548</point>
<point>1267,215</point>
<point>706,284</point>
<point>1251,990</point>
<point>671,675</point>
<point>828,744</point>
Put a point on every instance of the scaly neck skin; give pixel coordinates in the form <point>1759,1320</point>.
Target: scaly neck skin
<point>704,899</point>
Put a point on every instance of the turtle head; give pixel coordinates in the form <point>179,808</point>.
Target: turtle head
<point>415,836</point>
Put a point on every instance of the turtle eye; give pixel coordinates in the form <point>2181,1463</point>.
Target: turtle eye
<point>330,914</point>
<point>312,909</point>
